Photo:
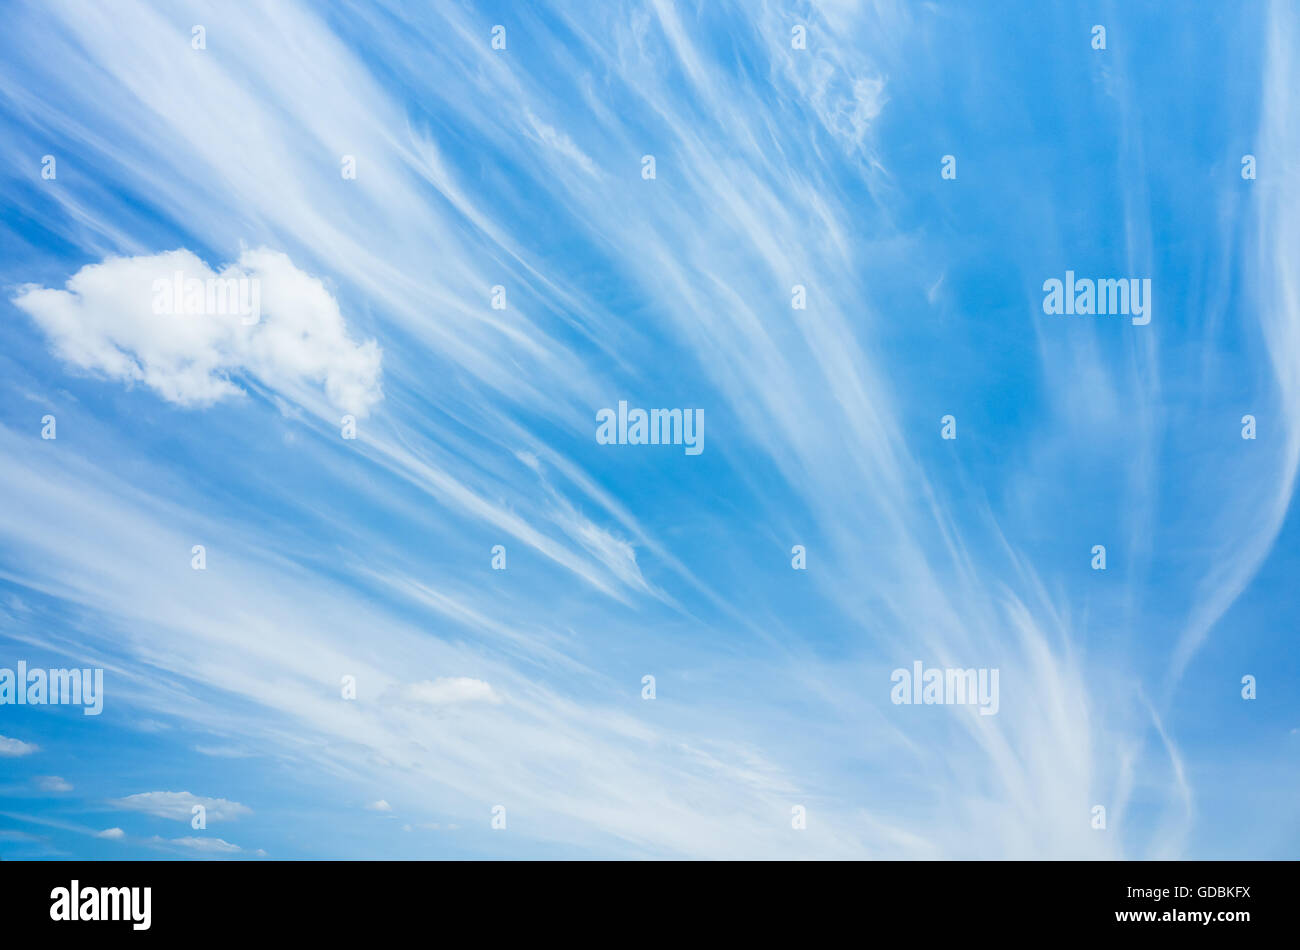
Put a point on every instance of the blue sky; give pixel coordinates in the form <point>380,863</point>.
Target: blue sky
<point>522,168</point>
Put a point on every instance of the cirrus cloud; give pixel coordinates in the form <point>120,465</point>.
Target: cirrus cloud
<point>210,845</point>
<point>179,806</point>
<point>448,691</point>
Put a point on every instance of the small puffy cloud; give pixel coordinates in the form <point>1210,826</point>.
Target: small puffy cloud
<point>210,845</point>
<point>112,834</point>
<point>180,806</point>
<point>12,748</point>
<point>52,783</point>
<point>447,691</point>
<point>261,317</point>
<point>380,805</point>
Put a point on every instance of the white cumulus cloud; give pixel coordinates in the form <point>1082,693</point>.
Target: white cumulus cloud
<point>12,748</point>
<point>284,329</point>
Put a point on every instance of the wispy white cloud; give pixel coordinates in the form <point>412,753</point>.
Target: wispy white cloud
<point>223,752</point>
<point>447,691</point>
<point>179,806</point>
<point>207,845</point>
